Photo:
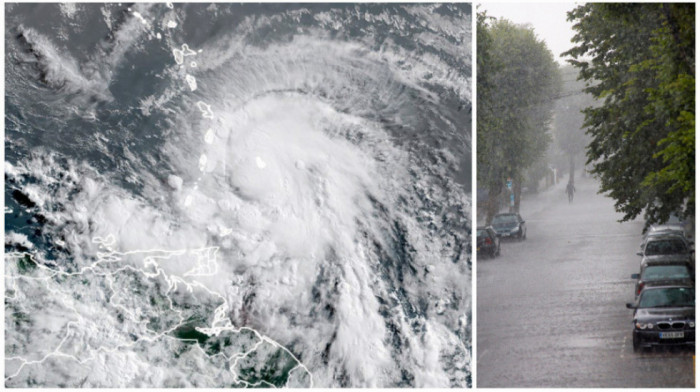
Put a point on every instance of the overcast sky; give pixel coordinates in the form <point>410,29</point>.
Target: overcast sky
<point>548,20</point>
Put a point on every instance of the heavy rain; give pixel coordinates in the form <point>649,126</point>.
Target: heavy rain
<point>585,195</point>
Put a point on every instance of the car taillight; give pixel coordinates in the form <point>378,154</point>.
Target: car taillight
<point>639,288</point>
<point>487,241</point>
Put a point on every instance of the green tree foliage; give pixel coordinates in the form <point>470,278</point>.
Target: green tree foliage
<point>490,172</point>
<point>517,79</point>
<point>638,61</point>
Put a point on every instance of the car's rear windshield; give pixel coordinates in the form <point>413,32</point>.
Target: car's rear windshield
<point>481,233</point>
<point>665,247</point>
<point>505,219</point>
<point>658,272</point>
<point>667,297</point>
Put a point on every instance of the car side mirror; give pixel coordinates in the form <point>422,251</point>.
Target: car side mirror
<point>522,221</point>
<point>640,254</point>
<point>630,305</point>
<point>634,276</point>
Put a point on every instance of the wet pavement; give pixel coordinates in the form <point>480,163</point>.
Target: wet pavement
<point>551,309</point>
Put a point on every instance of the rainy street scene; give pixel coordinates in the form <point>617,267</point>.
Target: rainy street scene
<point>238,195</point>
<point>585,195</point>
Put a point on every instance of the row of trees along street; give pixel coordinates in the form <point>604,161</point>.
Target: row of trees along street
<point>625,107</point>
<point>517,84</point>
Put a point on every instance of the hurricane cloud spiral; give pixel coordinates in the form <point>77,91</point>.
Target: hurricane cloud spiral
<point>238,195</point>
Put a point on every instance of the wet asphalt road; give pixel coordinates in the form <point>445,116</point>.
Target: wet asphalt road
<point>551,309</point>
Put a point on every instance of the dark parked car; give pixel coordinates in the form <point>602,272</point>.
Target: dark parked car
<point>670,270</point>
<point>509,225</point>
<point>664,315</point>
<point>487,241</point>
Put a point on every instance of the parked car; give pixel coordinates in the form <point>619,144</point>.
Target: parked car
<point>667,244</point>
<point>509,225</point>
<point>676,223</point>
<point>487,241</point>
<point>665,228</point>
<point>674,258</point>
<point>664,315</point>
<point>671,270</point>
<point>657,231</point>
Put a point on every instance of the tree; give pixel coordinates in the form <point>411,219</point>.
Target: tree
<point>490,173</point>
<point>638,61</point>
<point>517,79</point>
<point>570,139</point>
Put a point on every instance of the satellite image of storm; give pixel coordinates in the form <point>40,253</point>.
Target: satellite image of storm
<point>238,195</point>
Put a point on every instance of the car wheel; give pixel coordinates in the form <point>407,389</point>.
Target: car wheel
<point>635,343</point>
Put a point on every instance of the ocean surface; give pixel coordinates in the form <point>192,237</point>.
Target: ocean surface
<point>217,195</point>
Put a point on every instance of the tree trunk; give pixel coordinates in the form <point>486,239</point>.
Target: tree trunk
<point>492,205</point>
<point>517,187</point>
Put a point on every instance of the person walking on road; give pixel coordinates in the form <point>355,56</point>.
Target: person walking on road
<point>570,189</point>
